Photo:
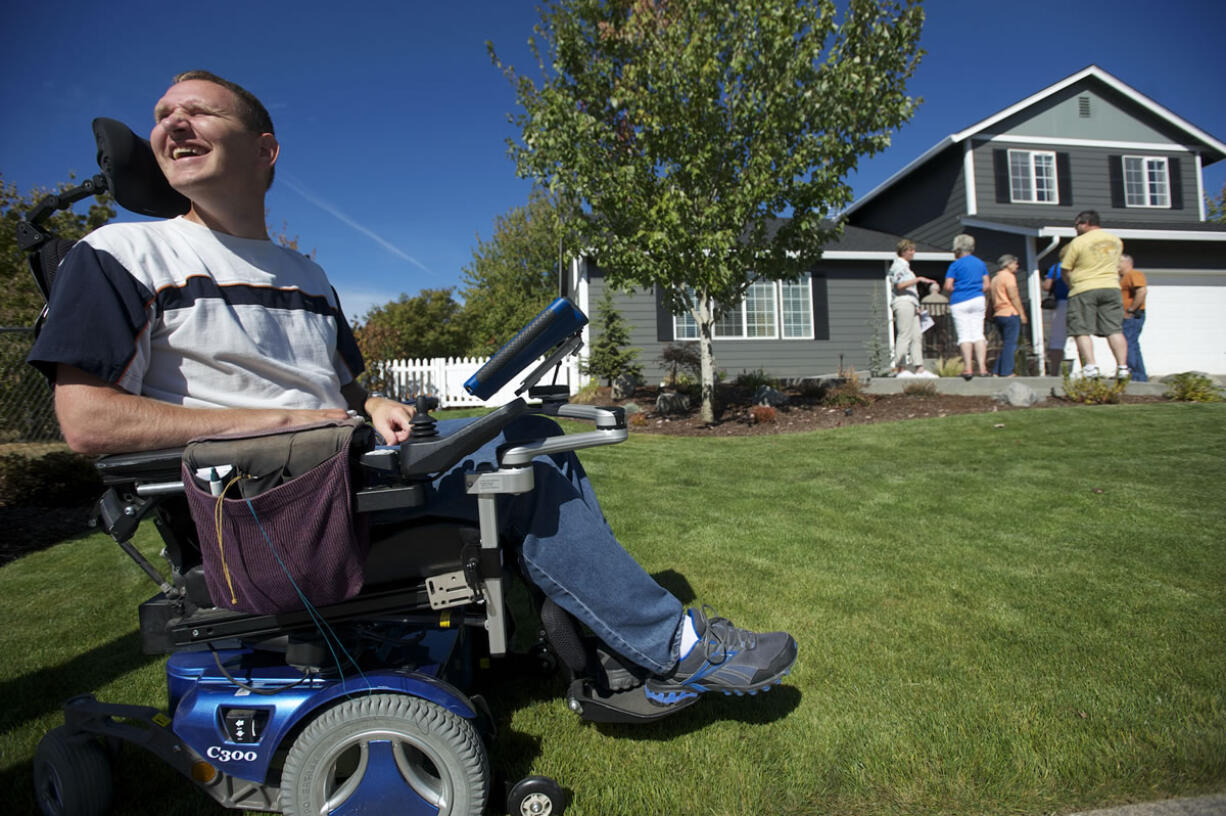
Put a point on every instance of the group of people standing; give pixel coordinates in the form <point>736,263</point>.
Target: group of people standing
<point>1096,290</point>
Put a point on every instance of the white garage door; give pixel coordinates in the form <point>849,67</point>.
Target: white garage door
<point>1185,325</point>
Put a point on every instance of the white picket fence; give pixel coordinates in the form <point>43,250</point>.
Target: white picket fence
<point>444,377</point>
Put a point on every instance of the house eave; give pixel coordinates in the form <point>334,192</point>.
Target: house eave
<point>1053,231</point>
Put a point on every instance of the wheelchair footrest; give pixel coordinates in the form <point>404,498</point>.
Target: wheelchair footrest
<point>625,706</point>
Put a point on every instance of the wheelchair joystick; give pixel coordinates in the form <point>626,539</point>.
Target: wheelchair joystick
<point>424,426</point>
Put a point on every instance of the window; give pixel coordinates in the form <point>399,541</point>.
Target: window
<point>770,310</point>
<point>1032,177</point>
<point>1146,182</point>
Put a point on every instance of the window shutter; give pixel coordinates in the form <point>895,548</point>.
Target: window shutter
<point>1000,167</point>
<point>664,318</point>
<point>1176,181</point>
<point>1115,169</point>
<point>1064,179</point>
<point>821,306</point>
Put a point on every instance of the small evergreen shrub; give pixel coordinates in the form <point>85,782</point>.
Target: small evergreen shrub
<point>1094,391</point>
<point>1192,386</point>
<point>847,393</point>
<point>753,380</point>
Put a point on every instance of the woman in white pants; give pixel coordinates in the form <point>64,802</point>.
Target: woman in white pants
<point>906,304</point>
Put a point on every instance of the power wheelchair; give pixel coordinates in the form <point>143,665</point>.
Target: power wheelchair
<point>357,706</point>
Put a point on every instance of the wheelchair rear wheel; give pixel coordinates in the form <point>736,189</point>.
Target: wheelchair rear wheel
<point>400,754</point>
<point>72,775</point>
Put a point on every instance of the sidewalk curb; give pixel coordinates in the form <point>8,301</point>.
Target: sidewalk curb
<point>1212,805</point>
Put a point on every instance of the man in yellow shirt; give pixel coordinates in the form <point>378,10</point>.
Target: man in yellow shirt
<point>1091,267</point>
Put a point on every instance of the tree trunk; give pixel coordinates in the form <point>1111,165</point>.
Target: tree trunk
<point>706,330</point>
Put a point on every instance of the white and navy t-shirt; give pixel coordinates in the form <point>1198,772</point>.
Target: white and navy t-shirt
<point>175,311</point>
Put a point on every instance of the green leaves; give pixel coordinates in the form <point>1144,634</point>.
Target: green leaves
<point>680,124</point>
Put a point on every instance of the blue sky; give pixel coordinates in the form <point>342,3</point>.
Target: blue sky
<point>393,122</point>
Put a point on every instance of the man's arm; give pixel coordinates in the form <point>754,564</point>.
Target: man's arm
<point>392,419</point>
<point>1015,299</point>
<point>1138,298</point>
<point>97,417</point>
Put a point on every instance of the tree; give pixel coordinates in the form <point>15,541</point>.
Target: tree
<point>429,324</point>
<point>1216,209</point>
<point>610,358</point>
<point>515,274</point>
<point>688,127</point>
<point>22,301</point>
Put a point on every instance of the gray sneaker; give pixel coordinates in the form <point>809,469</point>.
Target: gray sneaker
<point>727,659</point>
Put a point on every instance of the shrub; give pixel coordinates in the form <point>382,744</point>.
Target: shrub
<point>680,360</point>
<point>949,366</point>
<point>56,479</point>
<point>588,394</point>
<point>1192,386</point>
<point>847,393</point>
<point>1094,391</point>
<point>762,414</point>
<point>753,380</point>
<point>920,389</point>
<point>637,420</point>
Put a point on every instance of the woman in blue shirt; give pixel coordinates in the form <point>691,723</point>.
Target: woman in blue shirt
<point>966,283</point>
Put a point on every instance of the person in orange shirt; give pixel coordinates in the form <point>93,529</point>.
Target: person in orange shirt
<point>1133,288</point>
<point>1007,313</point>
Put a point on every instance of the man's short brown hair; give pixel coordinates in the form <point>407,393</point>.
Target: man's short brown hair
<point>251,111</point>
<point>1088,217</point>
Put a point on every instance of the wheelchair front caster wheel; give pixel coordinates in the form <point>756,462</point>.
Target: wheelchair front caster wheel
<point>72,775</point>
<point>536,796</point>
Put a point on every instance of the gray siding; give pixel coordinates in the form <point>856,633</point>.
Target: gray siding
<point>1112,117</point>
<point>850,288</point>
<point>1090,171</point>
<point>925,206</point>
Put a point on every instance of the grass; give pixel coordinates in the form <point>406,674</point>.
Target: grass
<point>1018,613</point>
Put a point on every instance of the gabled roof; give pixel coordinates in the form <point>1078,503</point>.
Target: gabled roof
<point>1216,148</point>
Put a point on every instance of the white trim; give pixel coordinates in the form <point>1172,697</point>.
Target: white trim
<point>1104,143</point>
<point>1069,232</point>
<point>1146,188</point>
<point>1200,189</point>
<point>881,255</point>
<point>1034,176</point>
<point>968,180</point>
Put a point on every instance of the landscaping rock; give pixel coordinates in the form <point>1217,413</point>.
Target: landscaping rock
<point>623,386</point>
<point>1018,395</point>
<point>670,402</point>
<point>632,408</point>
<point>765,395</point>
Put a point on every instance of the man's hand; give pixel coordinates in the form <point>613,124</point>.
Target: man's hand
<point>393,420</point>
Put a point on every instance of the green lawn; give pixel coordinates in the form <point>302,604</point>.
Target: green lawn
<point>1012,613</point>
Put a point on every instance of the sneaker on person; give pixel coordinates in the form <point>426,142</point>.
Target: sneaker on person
<point>926,374</point>
<point>906,375</point>
<point>1122,373</point>
<point>723,657</point>
<point>1089,372</point>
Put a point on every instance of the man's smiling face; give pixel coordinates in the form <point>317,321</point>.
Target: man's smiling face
<point>202,144</point>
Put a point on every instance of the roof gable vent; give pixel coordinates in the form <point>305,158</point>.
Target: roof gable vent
<point>1083,107</point>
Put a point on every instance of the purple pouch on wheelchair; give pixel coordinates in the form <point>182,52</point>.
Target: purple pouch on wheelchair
<point>274,514</point>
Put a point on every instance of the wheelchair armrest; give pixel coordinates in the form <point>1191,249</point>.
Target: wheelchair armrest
<point>145,466</point>
<point>422,458</point>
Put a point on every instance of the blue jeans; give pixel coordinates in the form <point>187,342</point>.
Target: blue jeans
<point>1132,334</point>
<point>568,549</point>
<point>1009,328</point>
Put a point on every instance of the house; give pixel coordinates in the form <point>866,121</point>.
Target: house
<point>1015,181</point>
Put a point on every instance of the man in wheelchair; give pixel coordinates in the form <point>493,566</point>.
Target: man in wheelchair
<point>158,333</point>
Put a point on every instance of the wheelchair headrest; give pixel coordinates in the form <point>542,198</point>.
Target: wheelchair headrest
<point>132,172</point>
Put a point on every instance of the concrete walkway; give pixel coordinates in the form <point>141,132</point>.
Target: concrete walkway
<point>1213,805</point>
